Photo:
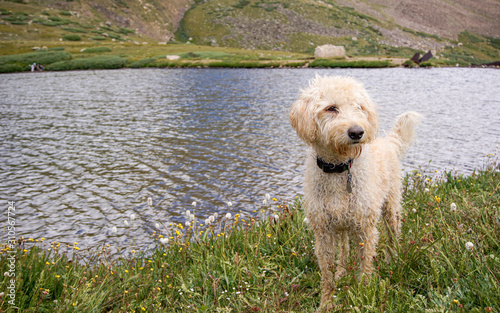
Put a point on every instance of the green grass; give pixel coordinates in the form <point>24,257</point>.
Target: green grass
<point>350,64</point>
<point>259,263</point>
<point>97,62</point>
<point>21,61</point>
<point>142,63</point>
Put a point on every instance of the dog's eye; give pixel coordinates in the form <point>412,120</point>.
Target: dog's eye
<point>332,109</point>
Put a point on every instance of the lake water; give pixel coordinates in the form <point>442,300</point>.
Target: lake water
<point>81,151</point>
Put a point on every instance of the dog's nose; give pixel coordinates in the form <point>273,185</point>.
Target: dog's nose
<point>355,133</point>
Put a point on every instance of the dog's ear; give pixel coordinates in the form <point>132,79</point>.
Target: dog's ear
<point>370,110</point>
<point>302,116</point>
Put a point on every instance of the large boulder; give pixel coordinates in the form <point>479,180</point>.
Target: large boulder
<point>329,51</point>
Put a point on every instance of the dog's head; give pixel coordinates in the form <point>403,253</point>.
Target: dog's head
<point>336,114</point>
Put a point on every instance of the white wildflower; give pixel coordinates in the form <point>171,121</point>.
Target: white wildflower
<point>157,225</point>
<point>114,230</point>
<point>125,222</point>
<point>216,215</point>
<point>193,204</point>
<point>188,213</point>
<point>426,190</point>
<point>150,201</point>
<point>469,246</point>
<point>306,220</point>
<point>229,204</point>
<point>453,207</point>
<point>211,219</point>
<point>164,240</point>
<point>268,197</point>
<point>264,202</point>
<point>276,217</point>
<point>228,216</point>
<point>207,222</point>
<point>132,216</point>
<point>414,210</point>
<point>187,224</point>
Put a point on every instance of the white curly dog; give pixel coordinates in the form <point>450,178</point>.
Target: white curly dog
<point>352,177</point>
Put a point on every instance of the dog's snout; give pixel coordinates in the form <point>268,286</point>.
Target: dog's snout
<point>355,133</point>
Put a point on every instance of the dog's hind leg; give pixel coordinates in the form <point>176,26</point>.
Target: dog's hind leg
<point>392,219</point>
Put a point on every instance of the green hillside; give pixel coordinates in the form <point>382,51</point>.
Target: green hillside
<point>230,33</point>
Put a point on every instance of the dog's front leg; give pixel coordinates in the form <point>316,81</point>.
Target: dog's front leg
<point>325,252</point>
<point>343,242</point>
<point>369,240</point>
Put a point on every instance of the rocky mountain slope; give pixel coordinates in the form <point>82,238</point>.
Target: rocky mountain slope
<point>456,29</point>
<point>365,26</point>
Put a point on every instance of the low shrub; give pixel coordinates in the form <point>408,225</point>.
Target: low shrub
<point>11,68</point>
<point>213,55</point>
<point>142,63</point>
<point>18,18</point>
<point>125,31</point>
<point>74,30</point>
<point>295,64</point>
<point>40,57</point>
<point>409,63</point>
<point>241,4</point>
<point>56,49</point>
<point>97,62</point>
<point>96,50</point>
<point>116,36</point>
<point>426,64</point>
<point>72,37</point>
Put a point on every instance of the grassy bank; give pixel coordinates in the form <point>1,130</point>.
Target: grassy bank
<point>265,262</point>
<point>81,55</point>
<point>105,57</point>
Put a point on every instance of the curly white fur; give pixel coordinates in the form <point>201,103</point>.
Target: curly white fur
<point>324,117</point>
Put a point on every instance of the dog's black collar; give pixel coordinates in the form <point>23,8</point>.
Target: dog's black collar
<point>333,168</point>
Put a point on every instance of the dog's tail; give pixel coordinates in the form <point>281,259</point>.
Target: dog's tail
<point>403,131</point>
